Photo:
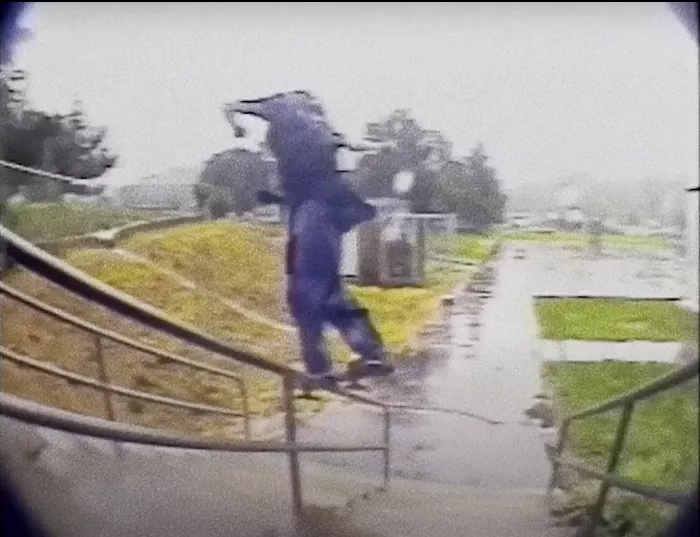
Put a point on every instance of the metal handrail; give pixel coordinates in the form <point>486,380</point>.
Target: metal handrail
<point>93,290</point>
<point>60,273</point>
<point>116,337</point>
<point>51,369</point>
<point>25,254</point>
<point>610,478</point>
<point>666,382</point>
<point>44,416</point>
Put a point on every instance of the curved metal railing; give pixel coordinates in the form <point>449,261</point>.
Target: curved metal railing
<point>609,478</point>
<point>101,334</point>
<point>44,416</point>
<point>25,254</point>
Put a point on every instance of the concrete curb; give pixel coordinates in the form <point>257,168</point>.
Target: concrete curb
<point>109,237</point>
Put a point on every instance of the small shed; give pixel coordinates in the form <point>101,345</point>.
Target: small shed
<point>389,251</point>
<point>350,262</point>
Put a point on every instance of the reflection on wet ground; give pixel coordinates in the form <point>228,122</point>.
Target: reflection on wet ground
<point>487,368</point>
<point>486,362</point>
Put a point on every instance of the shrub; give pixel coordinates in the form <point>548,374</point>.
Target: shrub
<point>219,204</point>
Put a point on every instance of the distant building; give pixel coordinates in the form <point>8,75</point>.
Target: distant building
<point>172,190</point>
<point>267,214</point>
<point>521,219</point>
<point>574,216</point>
<point>171,197</point>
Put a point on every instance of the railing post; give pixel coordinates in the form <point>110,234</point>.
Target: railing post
<point>104,378</point>
<point>246,409</point>
<point>387,447</point>
<point>620,436</point>
<point>558,450</point>
<point>290,428</point>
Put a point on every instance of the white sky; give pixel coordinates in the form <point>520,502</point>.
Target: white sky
<point>609,90</point>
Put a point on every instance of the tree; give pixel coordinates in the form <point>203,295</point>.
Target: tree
<point>202,193</point>
<point>219,202</point>
<point>240,173</point>
<point>63,144</point>
<point>470,188</point>
<point>406,146</point>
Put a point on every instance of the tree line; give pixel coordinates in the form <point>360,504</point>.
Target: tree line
<point>61,143</point>
<point>441,183</point>
<point>67,144</point>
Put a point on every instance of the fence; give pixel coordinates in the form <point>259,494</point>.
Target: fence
<point>610,478</point>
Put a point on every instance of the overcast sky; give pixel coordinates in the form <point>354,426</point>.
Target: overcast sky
<point>609,90</point>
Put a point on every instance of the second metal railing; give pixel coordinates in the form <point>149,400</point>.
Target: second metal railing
<point>609,478</point>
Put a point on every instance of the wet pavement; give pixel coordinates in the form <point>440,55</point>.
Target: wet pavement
<point>642,275</point>
<point>601,351</point>
<point>490,369</point>
<point>630,274</point>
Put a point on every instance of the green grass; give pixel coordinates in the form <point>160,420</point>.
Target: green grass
<point>582,239</point>
<point>475,248</point>
<point>615,320</point>
<point>662,443</point>
<point>400,313</point>
<point>242,263</point>
<point>51,221</point>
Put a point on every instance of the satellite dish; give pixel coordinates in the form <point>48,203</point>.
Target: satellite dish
<point>403,181</point>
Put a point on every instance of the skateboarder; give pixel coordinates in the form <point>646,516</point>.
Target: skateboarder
<point>321,208</point>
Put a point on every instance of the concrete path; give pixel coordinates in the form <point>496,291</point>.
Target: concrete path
<point>495,376</point>
<point>78,487</point>
<point>600,351</point>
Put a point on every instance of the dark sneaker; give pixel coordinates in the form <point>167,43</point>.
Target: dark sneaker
<point>326,381</point>
<point>369,368</point>
<point>379,368</point>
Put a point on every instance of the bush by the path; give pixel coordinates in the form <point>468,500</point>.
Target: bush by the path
<point>662,443</point>
<point>615,320</point>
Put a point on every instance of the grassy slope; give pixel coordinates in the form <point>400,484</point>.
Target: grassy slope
<point>615,320</point>
<point>50,221</point>
<point>243,263</point>
<point>662,443</point>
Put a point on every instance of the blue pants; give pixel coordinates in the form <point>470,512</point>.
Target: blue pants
<point>315,290</point>
<point>337,308</point>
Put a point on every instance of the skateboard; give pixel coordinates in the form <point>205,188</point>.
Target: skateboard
<point>354,378</point>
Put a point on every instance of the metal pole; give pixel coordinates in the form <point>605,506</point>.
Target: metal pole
<point>246,410</point>
<point>4,262</point>
<point>559,448</point>
<point>104,378</point>
<point>620,436</point>
<point>387,447</point>
<point>290,428</point>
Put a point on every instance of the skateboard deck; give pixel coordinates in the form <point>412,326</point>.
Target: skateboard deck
<point>343,380</point>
